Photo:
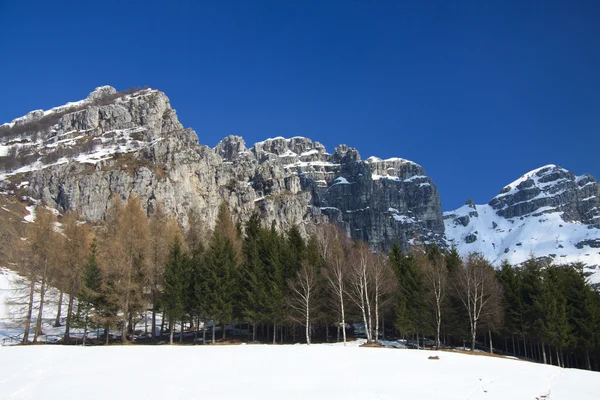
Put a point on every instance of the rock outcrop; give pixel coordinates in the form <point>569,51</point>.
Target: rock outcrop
<point>77,156</point>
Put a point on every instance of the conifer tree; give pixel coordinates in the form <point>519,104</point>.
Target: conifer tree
<point>175,283</point>
<point>410,304</point>
<point>92,296</point>
<point>253,276</point>
<point>221,270</point>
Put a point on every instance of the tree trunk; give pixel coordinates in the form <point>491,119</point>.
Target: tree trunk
<point>558,358</point>
<point>587,359</point>
<point>473,334</point>
<point>162,324</point>
<point>224,330</point>
<point>213,334</point>
<point>491,344</point>
<point>181,333</point>
<point>274,333</point>
<point>343,317</point>
<point>59,310</point>
<point>307,325</point>
<point>524,346</point>
<point>513,346</point>
<point>254,331</point>
<point>107,339</point>
<point>153,321</point>
<point>38,322</point>
<point>29,312</point>
<point>69,317</point>
<point>85,326</point>
<point>543,347</point>
<point>438,320</point>
<point>171,329</point>
<point>376,313</point>
<point>369,326</point>
<point>550,354</point>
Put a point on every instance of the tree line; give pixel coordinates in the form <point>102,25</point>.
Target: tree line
<point>286,287</point>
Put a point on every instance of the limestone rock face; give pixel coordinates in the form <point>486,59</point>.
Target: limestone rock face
<point>75,157</point>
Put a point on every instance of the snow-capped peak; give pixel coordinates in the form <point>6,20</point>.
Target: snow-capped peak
<point>547,212</point>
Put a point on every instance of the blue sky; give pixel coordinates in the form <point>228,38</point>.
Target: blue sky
<point>478,92</point>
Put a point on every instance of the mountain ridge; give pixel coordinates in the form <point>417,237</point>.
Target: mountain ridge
<point>135,144</point>
<point>77,155</point>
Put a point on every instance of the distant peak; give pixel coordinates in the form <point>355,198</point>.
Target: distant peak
<point>533,174</point>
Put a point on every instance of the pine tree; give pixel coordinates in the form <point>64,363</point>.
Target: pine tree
<point>272,249</point>
<point>91,296</point>
<point>510,279</point>
<point>221,270</point>
<point>410,304</point>
<point>175,283</point>
<point>253,276</point>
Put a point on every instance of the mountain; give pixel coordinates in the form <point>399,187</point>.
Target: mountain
<point>76,156</point>
<point>548,212</point>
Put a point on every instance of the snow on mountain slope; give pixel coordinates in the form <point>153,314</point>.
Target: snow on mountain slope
<point>300,372</point>
<point>548,212</point>
<point>74,132</point>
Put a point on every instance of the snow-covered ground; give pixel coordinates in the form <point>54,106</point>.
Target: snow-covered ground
<point>267,371</point>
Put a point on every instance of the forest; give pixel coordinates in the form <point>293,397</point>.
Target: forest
<point>284,288</point>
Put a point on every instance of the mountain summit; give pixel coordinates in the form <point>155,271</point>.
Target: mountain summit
<point>548,212</point>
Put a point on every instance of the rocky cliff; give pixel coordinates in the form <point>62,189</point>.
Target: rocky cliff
<point>548,212</point>
<point>75,157</point>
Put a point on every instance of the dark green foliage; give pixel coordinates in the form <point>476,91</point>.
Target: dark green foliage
<point>410,305</point>
<point>175,285</point>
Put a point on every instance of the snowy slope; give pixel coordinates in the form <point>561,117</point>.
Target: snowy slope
<point>290,372</point>
<point>57,144</point>
<point>548,212</point>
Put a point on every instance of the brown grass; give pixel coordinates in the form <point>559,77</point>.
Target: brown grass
<point>478,353</point>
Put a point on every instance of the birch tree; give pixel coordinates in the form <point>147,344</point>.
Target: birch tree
<point>333,243</point>
<point>359,284</point>
<point>303,299</point>
<point>435,278</point>
<point>383,285</point>
<point>478,290</point>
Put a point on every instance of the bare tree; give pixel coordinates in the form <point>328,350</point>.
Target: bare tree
<point>75,246</point>
<point>43,247</point>
<point>383,284</point>
<point>125,256</point>
<point>478,290</point>
<point>303,299</point>
<point>159,249</point>
<point>359,284</point>
<point>25,284</point>
<point>435,277</point>
<point>333,242</point>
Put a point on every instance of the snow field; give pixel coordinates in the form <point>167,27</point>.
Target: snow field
<point>540,235</point>
<point>291,372</point>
